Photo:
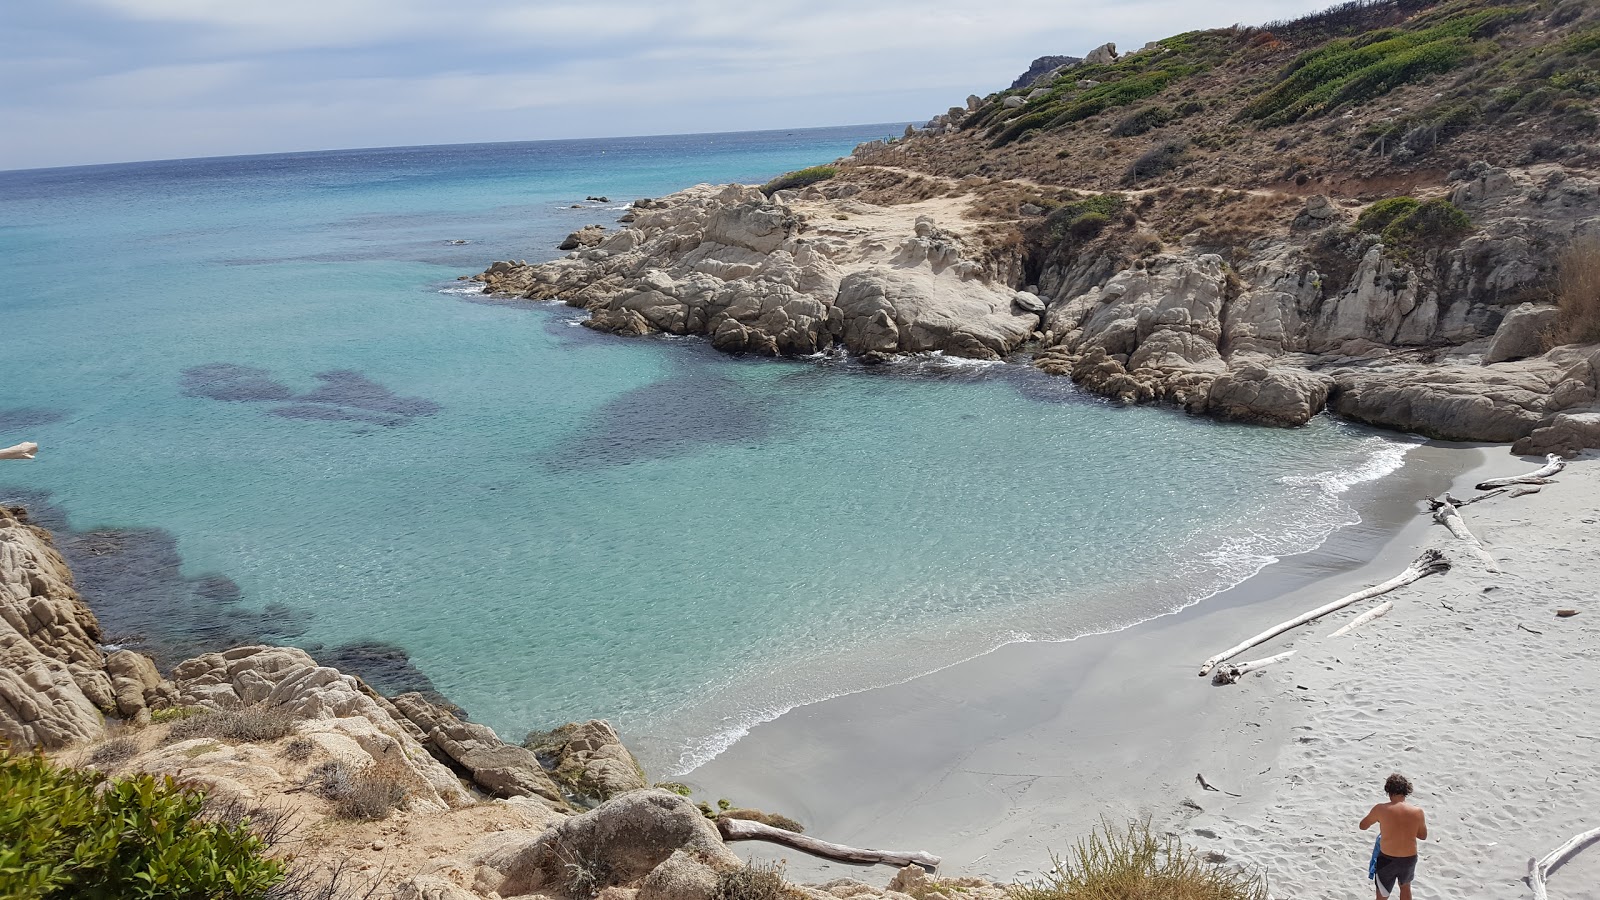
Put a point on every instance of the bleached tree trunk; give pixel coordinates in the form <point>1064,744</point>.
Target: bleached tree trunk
<point>1446,514</point>
<point>1377,612</point>
<point>1231,674</point>
<point>20,451</point>
<point>746,830</point>
<point>1553,464</point>
<point>1539,869</point>
<point>1431,562</point>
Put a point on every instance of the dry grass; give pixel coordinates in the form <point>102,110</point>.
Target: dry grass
<point>114,751</point>
<point>1578,293</point>
<point>1134,863</point>
<point>250,723</point>
<point>366,794</point>
<point>755,881</point>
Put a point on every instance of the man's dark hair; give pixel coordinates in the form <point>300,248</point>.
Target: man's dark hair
<point>1398,784</point>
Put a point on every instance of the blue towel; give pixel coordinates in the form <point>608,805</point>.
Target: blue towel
<point>1372,867</point>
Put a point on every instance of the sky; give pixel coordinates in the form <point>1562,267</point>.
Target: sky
<point>94,81</point>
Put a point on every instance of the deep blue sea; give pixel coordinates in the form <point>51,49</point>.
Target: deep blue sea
<point>269,411</point>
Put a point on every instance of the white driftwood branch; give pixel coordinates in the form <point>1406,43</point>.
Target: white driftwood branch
<point>746,830</point>
<point>1446,514</point>
<point>1377,612</point>
<point>1431,562</point>
<point>1553,464</point>
<point>1539,869</point>
<point>1231,674</point>
<point>20,451</point>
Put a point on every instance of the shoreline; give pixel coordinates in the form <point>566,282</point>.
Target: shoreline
<point>998,761</point>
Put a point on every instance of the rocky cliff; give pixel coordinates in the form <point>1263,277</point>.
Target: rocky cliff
<point>1168,226</point>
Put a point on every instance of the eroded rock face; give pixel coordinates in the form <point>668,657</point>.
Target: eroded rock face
<point>504,770</point>
<point>1565,434</point>
<point>1521,333</point>
<point>1462,402</point>
<point>333,702</point>
<point>587,236</point>
<point>757,277</point>
<point>1279,396</point>
<point>52,686</point>
<point>618,843</point>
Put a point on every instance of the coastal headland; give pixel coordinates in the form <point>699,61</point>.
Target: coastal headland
<point>1387,212</point>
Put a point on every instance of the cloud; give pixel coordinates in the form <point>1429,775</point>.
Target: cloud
<point>177,78</point>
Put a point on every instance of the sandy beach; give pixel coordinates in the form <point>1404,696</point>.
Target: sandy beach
<point>998,762</point>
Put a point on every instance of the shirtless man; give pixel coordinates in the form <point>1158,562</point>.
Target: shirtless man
<point>1400,826</point>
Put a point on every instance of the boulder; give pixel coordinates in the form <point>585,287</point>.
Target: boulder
<point>1565,434</point>
<point>1521,333</point>
<point>679,877</point>
<point>1105,53</point>
<point>593,763</point>
<point>617,843</point>
<point>1014,102</point>
<point>137,685</point>
<point>1278,396</point>
<point>587,236</point>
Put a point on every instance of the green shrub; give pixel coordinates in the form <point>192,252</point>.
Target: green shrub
<point>1358,69</point>
<point>1375,218</point>
<point>1158,160</point>
<point>1436,223</point>
<point>1083,219</point>
<point>250,723</point>
<point>1134,863</point>
<point>799,179</point>
<point>1141,121</point>
<point>174,713</point>
<point>68,833</point>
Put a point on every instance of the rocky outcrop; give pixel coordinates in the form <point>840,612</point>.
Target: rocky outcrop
<point>339,715</point>
<point>593,763</point>
<point>53,685</point>
<point>502,769</point>
<point>587,236</point>
<point>1462,402</point>
<point>619,843</point>
<point>1044,70</point>
<point>758,276</point>
<point>1280,396</point>
<point>1565,434</point>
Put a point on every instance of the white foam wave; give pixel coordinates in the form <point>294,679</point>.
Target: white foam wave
<point>475,287</point>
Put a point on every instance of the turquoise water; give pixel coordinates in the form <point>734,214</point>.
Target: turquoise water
<point>271,412</point>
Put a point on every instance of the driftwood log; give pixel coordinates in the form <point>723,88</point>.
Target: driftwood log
<point>1377,612</point>
<point>1553,464</point>
<point>746,830</point>
<point>1539,869</point>
<point>20,451</point>
<point>1431,562</point>
<point>1231,674</point>
<point>1447,513</point>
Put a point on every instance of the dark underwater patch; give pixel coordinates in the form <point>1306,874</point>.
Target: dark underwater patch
<point>387,667</point>
<point>233,384</point>
<point>344,395</point>
<point>673,417</point>
<point>19,418</point>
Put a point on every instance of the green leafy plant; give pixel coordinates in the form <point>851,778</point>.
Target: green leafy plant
<point>1375,218</point>
<point>1082,220</point>
<point>1133,863</point>
<point>1436,223</point>
<point>67,833</point>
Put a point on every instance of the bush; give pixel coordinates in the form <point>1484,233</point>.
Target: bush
<point>1578,293</point>
<point>1375,218</point>
<point>174,713</point>
<point>753,881</point>
<point>1158,160</point>
<point>298,750</point>
<point>1082,220</point>
<point>251,723</point>
<point>1137,864</point>
<point>67,833</point>
<point>799,179</point>
<point>1436,223</point>
<point>1141,121</point>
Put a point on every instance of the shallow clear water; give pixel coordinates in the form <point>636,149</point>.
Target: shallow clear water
<point>271,412</point>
